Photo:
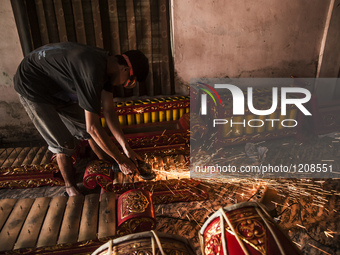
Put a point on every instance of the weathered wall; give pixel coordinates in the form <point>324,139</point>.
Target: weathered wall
<point>15,125</point>
<point>242,38</point>
<point>212,38</point>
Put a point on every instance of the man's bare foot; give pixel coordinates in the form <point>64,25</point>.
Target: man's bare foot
<point>73,191</point>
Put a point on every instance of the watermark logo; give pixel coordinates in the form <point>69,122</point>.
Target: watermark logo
<point>239,105</point>
<point>231,118</point>
<point>204,96</point>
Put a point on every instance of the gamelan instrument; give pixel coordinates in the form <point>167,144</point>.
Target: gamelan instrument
<point>244,229</point>
<point>171,184</point>
<point>28,167</point>
<point>72,225</point>
<point>147,243</point>
<point>151,110</point>
<point>154,124</point>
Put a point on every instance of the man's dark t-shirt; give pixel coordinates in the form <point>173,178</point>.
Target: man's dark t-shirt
<point>64,73</point>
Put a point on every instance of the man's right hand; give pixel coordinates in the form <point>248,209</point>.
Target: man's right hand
<point>127,166</point>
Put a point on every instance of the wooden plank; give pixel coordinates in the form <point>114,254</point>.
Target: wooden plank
<point>38,157</point>
<point>42,22</point>
<point>59,14</point>
<point>30,231</point>
<point>11,158</point>
<point>4,155</point>
<point>70,226</point>
<point>131,24</point>
<point>1,151</point>
<point>50,230</point>
<point>51,22</point>
<point>30,156</point>
<point>107,215</point>
<point>12,227</point>
<point>47,157</point>
<point>114,27</point>
<point>79,21</point>
<point>97,25</point>
<point>6,206</point>
<point>164,41</point>
<point>89,218</point>
<point>21,157</point>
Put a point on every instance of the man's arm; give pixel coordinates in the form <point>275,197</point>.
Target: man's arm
<point>102,139</point>
<point>115,127</point>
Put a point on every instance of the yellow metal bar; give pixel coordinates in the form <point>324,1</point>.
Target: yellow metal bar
<point>147,115</point>
<point>130,118</point>
<point>161,114</point>
<point>139,116</point>
<point>187,110</point>
<point>168,113</point>
<point>175,112</point>
<point>103,122</point>
<point>121,118</point>
<point>181,110</point>
<point>154,115</point>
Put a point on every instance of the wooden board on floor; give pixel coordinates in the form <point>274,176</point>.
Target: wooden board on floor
<point>2,150</point>
<point>107,215</point>
<point>11,157</point>
<point>4,155</point>
<point>47,157</point>
<point>50,230</point>
<point>70,226</point>
<point>29,224</point>
<point>13,225</point>
<point>30,156</point>
<point>39,156</point>
<point>6,206</point>
<point>30,231</point>
<point>89,218</point>
<point>21,157</point>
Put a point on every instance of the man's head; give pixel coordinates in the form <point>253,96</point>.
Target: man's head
<point>136,67</point>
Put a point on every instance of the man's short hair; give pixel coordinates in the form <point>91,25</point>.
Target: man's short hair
<point>139,62</point>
